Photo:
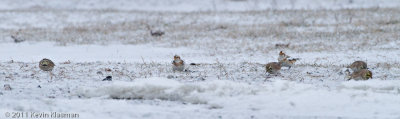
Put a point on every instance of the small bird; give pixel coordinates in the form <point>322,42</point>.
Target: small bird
<point>46,65</point>
<point>357,65</point>
<point>363,74</point>
<point>17,37</point>
<point>7,87</point>
<point>157,33</point>
<point>178,64</point>
<point>273,67</point>
<point>286,60</point>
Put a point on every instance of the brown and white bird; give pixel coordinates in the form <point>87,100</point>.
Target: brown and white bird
<point>358,65</point>
<point>273,67</point>
<point>178,64</point>
<point>47,65</point>
<point>286,60</point>
<point>362,74</point>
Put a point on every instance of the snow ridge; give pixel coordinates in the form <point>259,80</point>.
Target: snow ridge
<point>167,89</point>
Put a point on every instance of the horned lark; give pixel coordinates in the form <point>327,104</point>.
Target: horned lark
<point>286,60</point>
<point>363,74</point>
<point>358,65</point>
<point>46,65</point>
<point>178,64</point>
<point>273,67</point>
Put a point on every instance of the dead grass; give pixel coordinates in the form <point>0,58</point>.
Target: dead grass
<point>247,32</point>
<point>242,72</point>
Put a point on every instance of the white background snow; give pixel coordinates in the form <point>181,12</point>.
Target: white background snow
<point>231,40</point>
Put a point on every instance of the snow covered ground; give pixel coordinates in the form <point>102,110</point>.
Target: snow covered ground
<point>230,40</point>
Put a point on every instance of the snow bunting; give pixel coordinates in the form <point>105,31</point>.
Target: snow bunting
<point>286,60</point>
<point>358,65</point>
<point>273,67</point>
<point>362,74</point>
<point>46,65</point>
<point>178,64</point>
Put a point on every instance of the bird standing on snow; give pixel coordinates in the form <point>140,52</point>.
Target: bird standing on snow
<point>286,60</point>
<point>273,67</point>
<point>178,64</point>
<point>47,65</point>
<point>156,33</point>
<point>358,65</point>
<point>17,37</point>
<point>362,74</point>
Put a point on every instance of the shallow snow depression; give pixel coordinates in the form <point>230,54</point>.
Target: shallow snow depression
<point>364,99</point>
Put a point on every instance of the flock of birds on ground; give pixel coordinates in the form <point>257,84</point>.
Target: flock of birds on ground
<point>359,68</point>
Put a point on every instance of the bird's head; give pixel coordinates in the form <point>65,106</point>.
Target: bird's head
<point>368,75</point>
<point>45,62</point>
<point>176,57</point>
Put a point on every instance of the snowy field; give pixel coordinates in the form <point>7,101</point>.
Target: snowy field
<point>229,40</point>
